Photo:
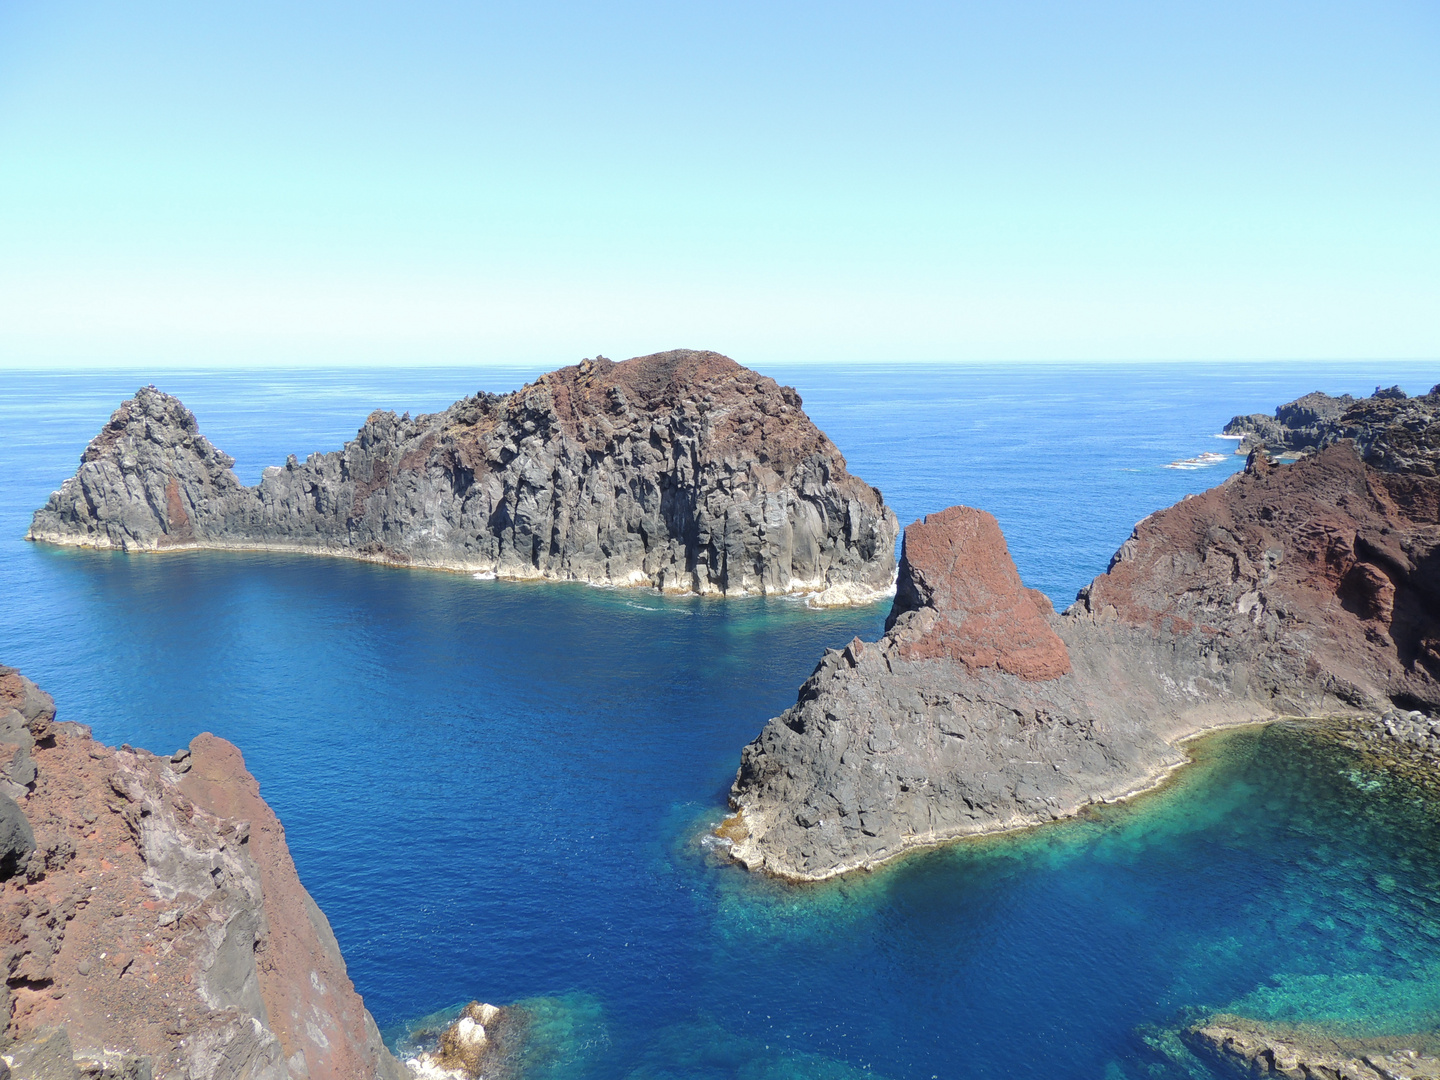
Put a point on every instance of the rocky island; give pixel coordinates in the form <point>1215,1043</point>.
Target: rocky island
<point>1290,589</point>
<point>680,471</point>
<point>152,921</point>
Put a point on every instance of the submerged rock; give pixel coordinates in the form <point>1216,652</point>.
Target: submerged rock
<point>681,471</point>
<point>1289,589</point>
<point>160,928</point>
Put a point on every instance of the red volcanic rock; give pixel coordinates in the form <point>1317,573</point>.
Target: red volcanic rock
<point>1329,558</point>
<point>1308,589</point>
<point>957,564</point>
<point>160,917</point>
<point>311,1003</point>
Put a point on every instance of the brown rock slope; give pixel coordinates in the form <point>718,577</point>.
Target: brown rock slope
<point>681,471</point>
<point>159,922</point>
<point>1289,589</point>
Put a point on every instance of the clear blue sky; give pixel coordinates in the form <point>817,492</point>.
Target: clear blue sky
<point>229,183</point>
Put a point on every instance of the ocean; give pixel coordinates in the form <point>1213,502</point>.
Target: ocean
<point>500,791</point>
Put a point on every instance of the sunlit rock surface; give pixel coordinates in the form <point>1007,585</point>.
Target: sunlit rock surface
<point>681,471</point>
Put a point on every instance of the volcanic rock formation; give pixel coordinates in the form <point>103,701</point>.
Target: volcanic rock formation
<point>682,471</point>
<point>1391,431</point>
<point>157,926</point>
<point>1289,589</point>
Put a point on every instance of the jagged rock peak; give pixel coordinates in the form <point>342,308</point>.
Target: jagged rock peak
<point>682,471</point>
<point>956,574</point>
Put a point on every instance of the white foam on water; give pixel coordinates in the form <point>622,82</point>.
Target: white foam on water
<point>1199,461</point>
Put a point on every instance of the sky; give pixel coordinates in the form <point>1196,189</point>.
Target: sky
<point>437,183</point>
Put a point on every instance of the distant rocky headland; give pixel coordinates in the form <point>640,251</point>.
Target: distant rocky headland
<point>680,471</point>
<point>152,922</point>
<point>1390,430</point>
<point>1289,590</point>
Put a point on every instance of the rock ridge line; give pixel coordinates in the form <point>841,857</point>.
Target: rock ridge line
<point>681,471</point>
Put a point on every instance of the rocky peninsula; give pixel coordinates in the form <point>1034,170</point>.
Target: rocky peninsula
<point>1390,430</point>
<point>680,471</point>
<point>152,922</point>
<point>1289,590</point>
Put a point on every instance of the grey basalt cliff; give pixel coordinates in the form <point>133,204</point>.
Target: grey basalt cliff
<point>681,471</point>
<point>1303,589</point>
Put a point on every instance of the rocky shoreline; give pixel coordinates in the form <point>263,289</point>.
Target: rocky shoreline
<point>1305,589</point>
<point>1247,1048</point>
<point>681,471</point>
<point>1390,430</point>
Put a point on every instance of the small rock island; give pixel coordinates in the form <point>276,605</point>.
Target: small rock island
<point>681,471</point>
<point>1290,589</point>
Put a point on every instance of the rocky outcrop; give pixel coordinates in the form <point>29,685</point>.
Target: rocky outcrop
<point>1393,432</point>
<point>1245,1048</point>
<point>1288,590</point>
<point>969,604</point>
<point>682,471</point>
<point>484,1043</point>
<point>158,926</point>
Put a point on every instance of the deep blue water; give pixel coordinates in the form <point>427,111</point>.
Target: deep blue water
<point>495,790</point>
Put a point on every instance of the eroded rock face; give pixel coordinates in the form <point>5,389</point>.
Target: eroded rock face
<point>1290,589</point>
<point>682,471</point>
<point>159,920</point>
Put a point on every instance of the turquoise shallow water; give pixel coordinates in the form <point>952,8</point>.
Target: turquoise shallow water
<point>495,790</point>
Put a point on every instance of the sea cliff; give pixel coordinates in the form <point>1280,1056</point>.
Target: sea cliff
<point>680,471</point>
<point>1298,589</point>
<point>152,922</point>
